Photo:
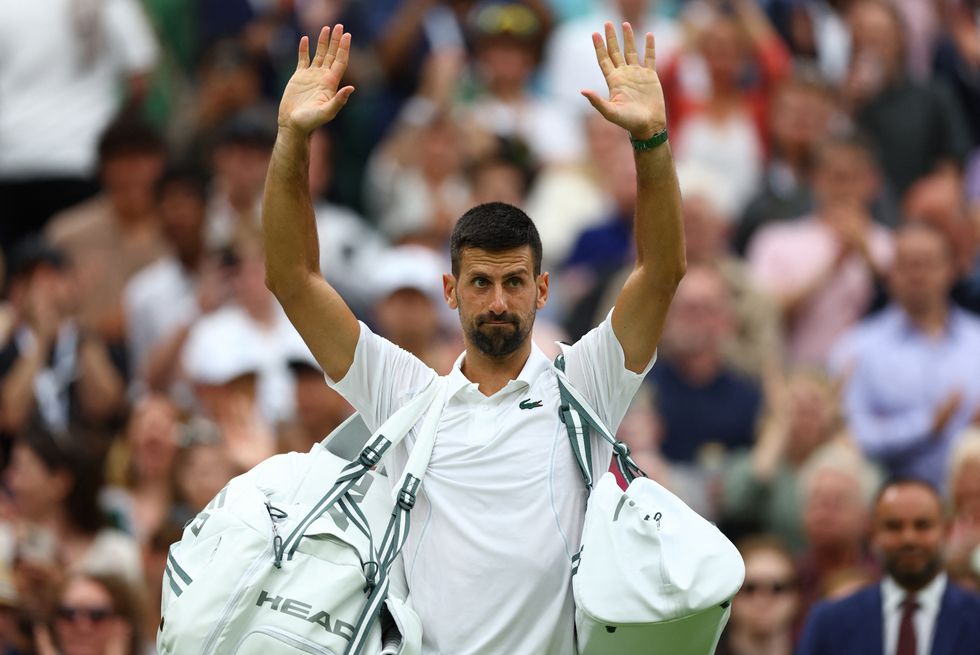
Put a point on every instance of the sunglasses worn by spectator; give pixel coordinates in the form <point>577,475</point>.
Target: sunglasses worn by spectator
<point>94,615</point>
<point>773,588</point>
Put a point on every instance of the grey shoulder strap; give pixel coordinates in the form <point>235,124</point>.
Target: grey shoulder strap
<point>580,419</point>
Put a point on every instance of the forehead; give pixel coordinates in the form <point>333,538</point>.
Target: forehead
<point>908,500</point>
<point>486,261</point>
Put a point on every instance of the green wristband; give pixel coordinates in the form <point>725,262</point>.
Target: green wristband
<point>657,139</point>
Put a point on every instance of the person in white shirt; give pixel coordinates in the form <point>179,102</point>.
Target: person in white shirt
<point>488,559</point>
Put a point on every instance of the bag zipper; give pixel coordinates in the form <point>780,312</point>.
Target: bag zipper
<point>296,642</point>
<point>243,585</point>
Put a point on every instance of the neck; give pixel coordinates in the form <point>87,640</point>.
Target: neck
<point>699,368</point>
<point>931,319</point>
<point>837,556</point>
<point>493,373</point>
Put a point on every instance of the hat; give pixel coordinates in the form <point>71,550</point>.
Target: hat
<point>220,348</point>
<point>408,267</point>
<point>507,19</point>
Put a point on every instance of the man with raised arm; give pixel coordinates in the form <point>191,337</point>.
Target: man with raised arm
<point>488,559</point>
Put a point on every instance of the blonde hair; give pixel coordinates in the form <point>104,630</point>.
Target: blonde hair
<point>845,458</point>
<point>967,450</point>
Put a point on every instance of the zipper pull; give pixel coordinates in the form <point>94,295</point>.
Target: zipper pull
<point>275,515</point>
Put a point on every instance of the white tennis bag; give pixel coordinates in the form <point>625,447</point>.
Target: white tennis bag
<point>295,556</point>
<point>652,576</point>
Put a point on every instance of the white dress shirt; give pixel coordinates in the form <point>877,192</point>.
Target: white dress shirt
<point>929,600</point>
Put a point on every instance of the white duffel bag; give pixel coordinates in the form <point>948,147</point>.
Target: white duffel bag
<point>296,555</point>
<point>652,576</point>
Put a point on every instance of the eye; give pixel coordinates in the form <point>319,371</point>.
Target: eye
<point>514,282</point>
<point>480,282</point>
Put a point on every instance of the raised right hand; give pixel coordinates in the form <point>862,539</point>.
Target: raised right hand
<point>312,97</point>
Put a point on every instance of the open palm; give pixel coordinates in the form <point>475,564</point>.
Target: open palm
<point>312,96</point>
<point>636,99</point>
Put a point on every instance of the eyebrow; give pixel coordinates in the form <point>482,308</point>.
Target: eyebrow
<point>521,270</point>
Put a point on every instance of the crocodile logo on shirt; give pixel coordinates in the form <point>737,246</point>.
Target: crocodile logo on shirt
<point>530,404</point>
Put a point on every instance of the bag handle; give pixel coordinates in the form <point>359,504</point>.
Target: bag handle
<point>398,526</point>
<point>396,427</point>
<point>579,417</point>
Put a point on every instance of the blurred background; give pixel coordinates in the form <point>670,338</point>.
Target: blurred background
<point>824,339</point>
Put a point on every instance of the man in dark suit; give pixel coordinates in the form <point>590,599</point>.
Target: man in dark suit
<point>915,610</point>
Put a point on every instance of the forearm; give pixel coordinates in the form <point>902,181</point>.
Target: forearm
<point>100,386</point>
<point>292,251</point>
<point>160,367</point>
<point>17,390</point>
<point>659,226</point>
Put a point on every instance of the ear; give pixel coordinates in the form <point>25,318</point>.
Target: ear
<point>449,290</point>
<point>542,283</point>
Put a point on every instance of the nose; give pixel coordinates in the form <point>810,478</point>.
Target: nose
<point>498,302</point>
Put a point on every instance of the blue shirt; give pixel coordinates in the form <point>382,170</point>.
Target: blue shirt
<point>722,411</point>
<point>897,377</point>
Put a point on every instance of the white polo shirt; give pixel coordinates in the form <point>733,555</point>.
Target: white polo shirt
<point>488,558</point>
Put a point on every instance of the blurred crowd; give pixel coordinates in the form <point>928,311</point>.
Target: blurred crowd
<point>824,339</point>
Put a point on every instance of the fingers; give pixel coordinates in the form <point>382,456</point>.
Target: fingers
<point>612,45</point>
<point>339,64</point>
<point>321,47</point>
<point>602,106</point>
<point>303,57</point>
<point>605,63</point>
<point>335,38</point>
<point>650,53</point>
<point>629,45</point>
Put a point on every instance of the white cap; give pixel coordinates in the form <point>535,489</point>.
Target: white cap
<point>408,267</point>
<point>220,348</point>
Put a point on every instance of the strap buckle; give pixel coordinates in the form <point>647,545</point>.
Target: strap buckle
<point>406,499</point>
<point>369,457</point>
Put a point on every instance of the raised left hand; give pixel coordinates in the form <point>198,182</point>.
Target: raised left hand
<point>636,99</point>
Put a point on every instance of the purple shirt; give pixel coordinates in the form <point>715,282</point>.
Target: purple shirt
<point>897,377</point>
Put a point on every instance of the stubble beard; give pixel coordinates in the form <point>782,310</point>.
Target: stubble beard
<point>499,340</point>
<point>918,578</point>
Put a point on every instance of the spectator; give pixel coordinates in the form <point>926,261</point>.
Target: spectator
<point>95,615</point>
<point>766,606</point>
<point>55,482</point>
<point>319,409</point>
<point>885,101</point>
<point>911,383</point>
<point>724,128</point>
<point>702,401</point>
<point>569,58</point>
<point>762,487</point>
<point>915,609</point>
<point>801,116</point>
<point>239,160</point>
<point>250,337</point>
<point>52,366</point>
<point>111,237</point>
<point>349,245</point>
<point>821,269</point>
<point>838,487</point>
<point>162,302</point>
<point>204,465</point>
<point>963,548</point>
<point>506,38</point>
<point>409,309</point>
<point>957,59</point>
<point>48,152</point>
<point>152,439</point>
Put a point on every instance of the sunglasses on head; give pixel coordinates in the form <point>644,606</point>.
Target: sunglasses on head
<point>774,588</point>
<point>92,614</point>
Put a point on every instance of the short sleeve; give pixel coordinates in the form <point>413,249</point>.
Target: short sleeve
<point>131,37</point>
<point>381,378</point>
<point>596,366</point>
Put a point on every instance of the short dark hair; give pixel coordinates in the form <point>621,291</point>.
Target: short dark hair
<point>494,227</point>
<point>130,136</point>
<point>67,452</point>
